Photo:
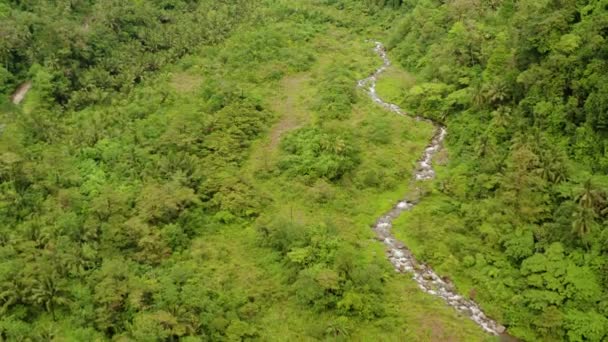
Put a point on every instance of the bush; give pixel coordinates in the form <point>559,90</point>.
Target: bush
<point>310,151</point>
<point>374,177</point>
<point>336,94</point>
<point>379,132</point>
<point>322,192</point>
<point>428,99</point>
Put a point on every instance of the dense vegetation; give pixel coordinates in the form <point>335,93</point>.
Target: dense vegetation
<point>207,170</point>
<point>83,50</point>
<point>200,170</point>
<point>520,213</point>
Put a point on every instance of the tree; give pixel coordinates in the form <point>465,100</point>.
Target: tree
<point>12,291</point>
<point>590,197</point>
<point>50,292</point>
<point>584,223</point>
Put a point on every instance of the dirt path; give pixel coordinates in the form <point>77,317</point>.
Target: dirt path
<point>292,113</point>
<point>20,92</point>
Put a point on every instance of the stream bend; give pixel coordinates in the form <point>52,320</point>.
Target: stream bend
<point>399,255</point>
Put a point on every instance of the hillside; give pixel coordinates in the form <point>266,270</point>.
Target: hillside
<point>229,170</point>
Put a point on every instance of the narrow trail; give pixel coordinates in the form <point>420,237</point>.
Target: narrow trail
<point>399,255</point>
<point>20,92</point>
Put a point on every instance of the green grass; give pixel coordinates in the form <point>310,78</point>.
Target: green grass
<point>394,83</point>
<point>185,82</point>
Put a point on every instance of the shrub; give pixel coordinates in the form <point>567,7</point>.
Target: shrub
<point>310,151</point>
<point>336,94</point>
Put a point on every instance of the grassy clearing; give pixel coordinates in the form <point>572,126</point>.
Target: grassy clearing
<point>288,102</point>
<point>185,82</point>
<point>293,113</point>
<point>395,83</point>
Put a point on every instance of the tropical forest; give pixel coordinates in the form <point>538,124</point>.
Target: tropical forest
<point>303,170</point>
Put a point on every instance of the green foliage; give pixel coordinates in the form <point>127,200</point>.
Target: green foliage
<point>327,277</point>
<point>94,48</point>
<point>428,98</point>
<point>106,200</point>
<point>131,209</point>
<point>521,90</point>
<point>6,79</point>
<point>586,325</point>
<point>318,153</point>
<point>336,93</point>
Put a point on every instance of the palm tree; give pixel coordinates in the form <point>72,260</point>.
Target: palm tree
<point>186,323</point>
<point>502,117</point>
<point>37,233</point>
<point>49,293</point>
<point>494,92</point>
<point>584,223</point>
<point>590,197</point>
<point>591,203</point>
<point>11,292</point>
<point>335,145</point>
<point>338,328</point>
<point>552,167</point>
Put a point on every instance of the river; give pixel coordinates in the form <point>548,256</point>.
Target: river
<point>399,255</point>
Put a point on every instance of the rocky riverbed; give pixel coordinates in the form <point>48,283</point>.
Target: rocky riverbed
<point>399,255</point>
